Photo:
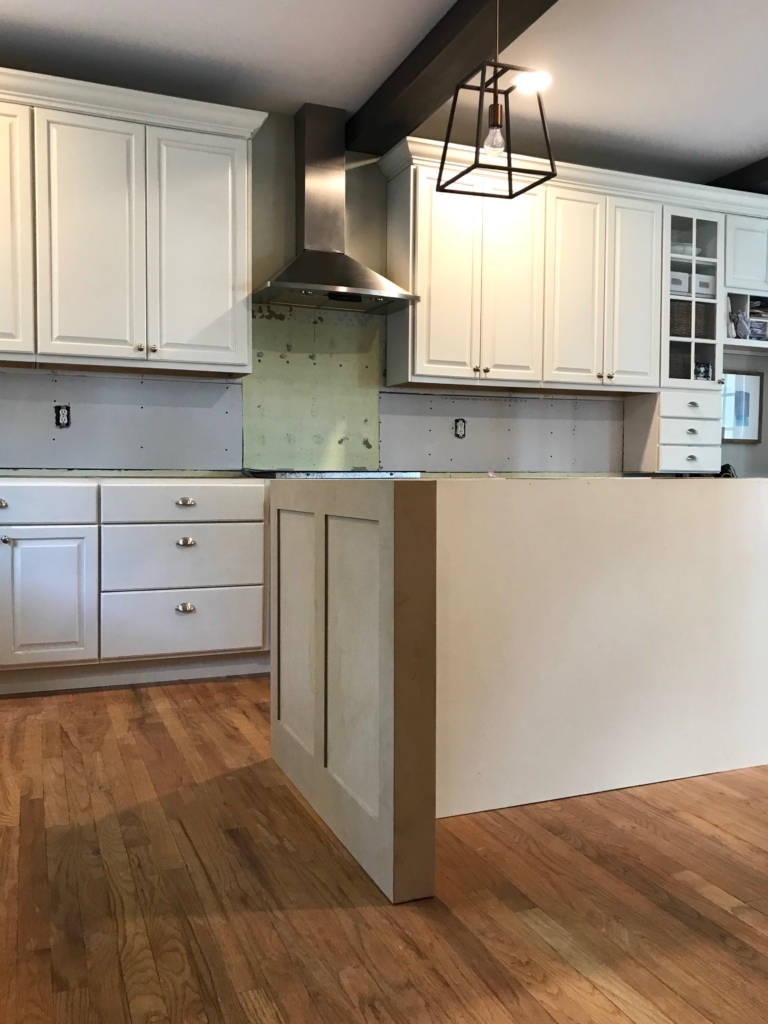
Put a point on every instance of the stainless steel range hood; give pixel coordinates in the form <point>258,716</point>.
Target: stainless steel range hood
<point>322,275</point>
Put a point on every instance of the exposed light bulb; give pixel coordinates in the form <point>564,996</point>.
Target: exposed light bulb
<point>529,82</point>
<point>494,142</point>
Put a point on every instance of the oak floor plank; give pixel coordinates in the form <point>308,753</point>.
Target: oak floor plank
<point>9,867</point>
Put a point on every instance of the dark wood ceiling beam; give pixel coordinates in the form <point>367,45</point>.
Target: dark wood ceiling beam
<point>462,39</point>
<point>752,178</point>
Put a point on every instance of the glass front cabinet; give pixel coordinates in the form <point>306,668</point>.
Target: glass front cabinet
<point>694,322</point>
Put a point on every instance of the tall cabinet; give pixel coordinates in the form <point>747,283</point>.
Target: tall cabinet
<point>17,286</point>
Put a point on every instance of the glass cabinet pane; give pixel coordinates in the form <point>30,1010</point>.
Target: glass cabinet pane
<point>680,360</point>
<point>682,236</point>
<point>706,238</point>
<point>680,318</point>
<point>705,281</point>
<point>680,277</point>
<point>706,320</point>
<point>704,364</point>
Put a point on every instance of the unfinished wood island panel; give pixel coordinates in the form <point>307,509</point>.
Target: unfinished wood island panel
<point>353,660</point>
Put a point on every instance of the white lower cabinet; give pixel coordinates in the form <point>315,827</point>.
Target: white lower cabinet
<point>49,585</point>
<point>146,624</point>
<point>673,432</point>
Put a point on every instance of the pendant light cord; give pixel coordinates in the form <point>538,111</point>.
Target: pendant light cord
<point>497,31</point>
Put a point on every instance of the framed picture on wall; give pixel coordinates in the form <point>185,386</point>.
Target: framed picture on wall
<point>743,407</point>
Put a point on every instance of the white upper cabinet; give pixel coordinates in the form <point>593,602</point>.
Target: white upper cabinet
<point>633,293</point>
<point>197,248</point>
<point>91,248</point>
<point>17,286</point>
<point>746,254</point>
<point>448,251</point>
<point>512,288</point>
<point>575,286</point>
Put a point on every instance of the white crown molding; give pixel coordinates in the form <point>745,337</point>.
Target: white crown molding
<point>129,104</point>
<point>427,153</point>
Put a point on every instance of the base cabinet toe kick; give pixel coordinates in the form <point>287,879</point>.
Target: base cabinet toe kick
<point>99,571</point>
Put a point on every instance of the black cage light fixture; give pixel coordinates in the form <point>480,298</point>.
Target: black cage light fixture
<point>492,87</point>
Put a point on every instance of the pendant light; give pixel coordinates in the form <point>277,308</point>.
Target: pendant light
<point>492,86</point>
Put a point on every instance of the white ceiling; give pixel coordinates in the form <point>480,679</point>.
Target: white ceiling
<point>266,54</point>
<point>668,87</point>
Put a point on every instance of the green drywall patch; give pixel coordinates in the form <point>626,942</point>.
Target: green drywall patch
<point>312,401</point>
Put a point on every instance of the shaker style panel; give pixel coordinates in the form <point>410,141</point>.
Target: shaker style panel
<point>746,253</point>
<point>197,248</point>
<point>181,501</point>
<point>511,327</point>
<point>448,253</point>
<point>17,285</point>
<point>575,286</point>
<point>158,556</point>
<point>153,623</point>
<point>49,591</point>
<point>91,248</point>
<point>633,293</point>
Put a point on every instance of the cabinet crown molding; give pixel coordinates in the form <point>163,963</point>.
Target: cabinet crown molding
<point>427,153</point>
<point>128,104</point>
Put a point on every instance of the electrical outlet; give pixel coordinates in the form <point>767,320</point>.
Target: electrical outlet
<point>460,428</point>
<point>62,415</point>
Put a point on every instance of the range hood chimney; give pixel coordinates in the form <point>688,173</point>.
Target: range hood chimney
<point>322,275</point>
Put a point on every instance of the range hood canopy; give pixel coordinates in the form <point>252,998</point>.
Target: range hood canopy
<point>322,276</point>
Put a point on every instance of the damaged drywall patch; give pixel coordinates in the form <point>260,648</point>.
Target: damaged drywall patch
<point>314,390</point>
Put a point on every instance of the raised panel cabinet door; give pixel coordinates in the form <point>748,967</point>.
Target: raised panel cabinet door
<point>746,253</point>
<point>512,317</point>
<point>574,286</point>
<point>91,236</point>
<point>633,293</point>
<point>197,248</point>
<point>448,244</point>
<point>17,285</point>
<point>49,592</point>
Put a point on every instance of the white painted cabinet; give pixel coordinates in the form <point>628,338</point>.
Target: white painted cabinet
<point>197,248</point>
<point>448,269</point>
<point>575,286</point>
<point>746,253</point>
<point>49,587</point>
<point>91,235</point>
<point>633,293</point>
<point>512,308</point>
<point>17,286</point>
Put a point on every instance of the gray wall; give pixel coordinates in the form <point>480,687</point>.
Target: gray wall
<point>749,459</point>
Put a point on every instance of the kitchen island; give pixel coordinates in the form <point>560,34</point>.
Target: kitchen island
<point>450,646</point>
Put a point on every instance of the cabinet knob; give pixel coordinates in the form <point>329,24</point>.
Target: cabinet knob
<point>186,542</point>
<point>693,405</point>
<point>3,503</point>
<point>486,369</point>
<point>475,369</point>
<point>186,502</point>
<point>185,608</point>
<point>6,540</point>
<point>153,348</point>
<point>692,430</point>
<point>139,348</point>
<point>721,380</point>
<point>693,458</point>
<point>610,376</point>
<point>599,376</point>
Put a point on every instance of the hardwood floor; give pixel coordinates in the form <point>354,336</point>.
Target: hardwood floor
<point>156,867</point>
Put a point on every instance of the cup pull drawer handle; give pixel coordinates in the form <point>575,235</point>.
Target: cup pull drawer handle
<point>3,503</point>
<point>693,458</point>
<point>693,405</point>
<point>185,608</point>
<point>186,542</point>
<point>186,502</point>
<point>692,430</point>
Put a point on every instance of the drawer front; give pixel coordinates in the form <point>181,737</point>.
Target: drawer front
<point>697,405</point>
<point>48,502</point>
<point>690,432</point>
<point>678,458</point>
<point>146,624</point>
<point>181,501</point>
<point>160,556</point>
